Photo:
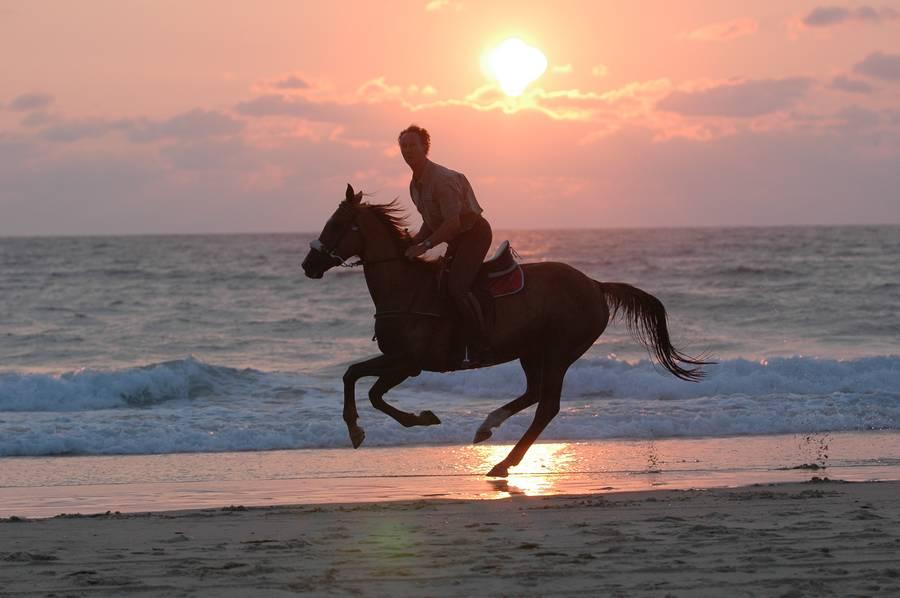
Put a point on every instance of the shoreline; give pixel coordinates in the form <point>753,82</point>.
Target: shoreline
<point>45,487</point>
<point>828,537</point>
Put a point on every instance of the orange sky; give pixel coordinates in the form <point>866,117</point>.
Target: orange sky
<point>202,116</point>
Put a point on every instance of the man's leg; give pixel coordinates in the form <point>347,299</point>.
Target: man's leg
<point>470,249</point>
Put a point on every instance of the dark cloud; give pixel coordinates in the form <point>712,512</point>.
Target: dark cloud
<point>740,100</point>
<point>192,125</point>
<point>213,154</point>
<point>880,66</point>
<point>291,82</point>
<point>857,118</point>
<point>195,124</point>
<point>37,119</point>
<point>368,120</point>
<point>76,130</point>
<point>276,105</point>
<point>828,16</point>
<point>844,83</point>
<point>31,101</point>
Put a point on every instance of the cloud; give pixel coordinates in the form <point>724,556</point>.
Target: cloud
<point>37,119</point>
<point>85,128</point>
<point>195,124</point>
<point>829,16</point>
<point>737,100</point>
<point>31,101</point>
<point>855,118</point>
<point>436,5</point>
<point>212,154</point>
<point>290,82</point>
<point>880,66</point>
<point>844,83</point>
<point>724,31</point>
<point>277,105</point>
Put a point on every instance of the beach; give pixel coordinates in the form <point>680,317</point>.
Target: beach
<point>170,425</point>
<point>748,516</point>
<point>816,538</point>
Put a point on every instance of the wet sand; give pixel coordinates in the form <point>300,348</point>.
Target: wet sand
<point>796,539</point>
<point>45,487</point>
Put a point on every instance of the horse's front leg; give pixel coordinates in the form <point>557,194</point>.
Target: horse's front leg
<point>370,367</point>
<point>388,381</point>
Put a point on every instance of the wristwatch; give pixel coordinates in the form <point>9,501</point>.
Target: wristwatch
<point>427,243</point>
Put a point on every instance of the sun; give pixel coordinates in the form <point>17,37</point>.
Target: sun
<point>515,65</point>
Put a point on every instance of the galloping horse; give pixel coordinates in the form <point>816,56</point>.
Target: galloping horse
<point>547,326</point>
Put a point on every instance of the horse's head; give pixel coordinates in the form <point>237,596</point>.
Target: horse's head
<point>339,240</point>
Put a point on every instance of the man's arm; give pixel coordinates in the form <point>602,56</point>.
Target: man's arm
<point>447,194</point>
<point>424,233</point>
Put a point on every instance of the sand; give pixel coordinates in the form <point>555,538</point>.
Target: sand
<point>799,539</point>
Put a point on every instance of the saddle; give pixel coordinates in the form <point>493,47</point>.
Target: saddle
<point>500,275</point>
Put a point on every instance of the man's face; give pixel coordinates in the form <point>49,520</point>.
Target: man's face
<point>412,149</point>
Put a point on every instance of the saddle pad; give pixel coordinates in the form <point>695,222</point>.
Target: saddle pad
<point>510,283</point>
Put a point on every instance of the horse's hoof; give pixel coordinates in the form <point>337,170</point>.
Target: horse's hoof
<point>357,435</point>
<point>500,470</point>
<point>427,418</point>
<point>482,434</point>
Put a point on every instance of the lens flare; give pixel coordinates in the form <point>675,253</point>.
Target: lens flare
<point>515,65</point>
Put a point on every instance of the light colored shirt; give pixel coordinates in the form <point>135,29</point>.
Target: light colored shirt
<point>441,193</point>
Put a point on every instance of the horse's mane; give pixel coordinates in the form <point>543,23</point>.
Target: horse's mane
<point>394,219</point>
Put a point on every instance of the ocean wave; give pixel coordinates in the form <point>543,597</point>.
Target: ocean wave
<point>87,390</point>
<point>616,378</point>
<point>189,406</point>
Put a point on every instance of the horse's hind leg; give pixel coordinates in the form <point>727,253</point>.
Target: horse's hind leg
<point>388,381</point>
<point>531,396</point>
<point>548,407</point>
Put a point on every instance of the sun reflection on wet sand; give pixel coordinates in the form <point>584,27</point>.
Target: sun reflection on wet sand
<point>542,470</point>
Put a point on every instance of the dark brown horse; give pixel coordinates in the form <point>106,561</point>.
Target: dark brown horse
<point>547,327</point>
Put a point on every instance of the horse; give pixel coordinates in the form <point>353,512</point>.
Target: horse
<point>547,326</point>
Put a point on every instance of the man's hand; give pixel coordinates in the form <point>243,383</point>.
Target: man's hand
<point>415,250</point>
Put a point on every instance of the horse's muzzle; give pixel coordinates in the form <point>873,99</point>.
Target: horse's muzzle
<point>310,270</point>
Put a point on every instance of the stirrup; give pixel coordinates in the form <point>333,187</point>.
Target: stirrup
<point>484,356</point>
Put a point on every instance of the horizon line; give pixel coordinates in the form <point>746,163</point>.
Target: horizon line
<point>513,229</point>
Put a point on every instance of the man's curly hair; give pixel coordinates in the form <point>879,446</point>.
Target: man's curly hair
<point>421,132</point>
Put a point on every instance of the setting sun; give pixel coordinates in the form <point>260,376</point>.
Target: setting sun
<point>515,64</point>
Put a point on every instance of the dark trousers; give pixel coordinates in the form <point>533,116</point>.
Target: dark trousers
<point>468,250</point>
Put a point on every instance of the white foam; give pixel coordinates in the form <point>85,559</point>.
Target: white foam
<point>189,406</point>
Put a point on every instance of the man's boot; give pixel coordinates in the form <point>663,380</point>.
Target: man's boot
<point>478,347</point>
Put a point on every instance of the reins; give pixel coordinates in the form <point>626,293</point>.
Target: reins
<point>317,245</point>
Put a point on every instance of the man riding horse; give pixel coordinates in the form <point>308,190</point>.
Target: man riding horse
<point>450,214</point>
<point>547,325</point>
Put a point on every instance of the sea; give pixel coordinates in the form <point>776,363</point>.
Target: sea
<point>195,344</point>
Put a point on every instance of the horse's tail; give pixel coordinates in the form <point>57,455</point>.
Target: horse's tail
<point>645,317</point>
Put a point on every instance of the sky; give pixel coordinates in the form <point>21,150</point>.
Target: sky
<point>201,116</point>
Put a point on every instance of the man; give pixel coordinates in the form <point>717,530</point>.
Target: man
<point>450,214</point>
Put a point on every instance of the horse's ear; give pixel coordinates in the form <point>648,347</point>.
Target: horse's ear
<point>349,195</point>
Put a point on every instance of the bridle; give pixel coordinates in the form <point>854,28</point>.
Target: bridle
<point>318,246</point>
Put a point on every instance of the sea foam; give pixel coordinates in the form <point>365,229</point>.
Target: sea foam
<point>190,406</point>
